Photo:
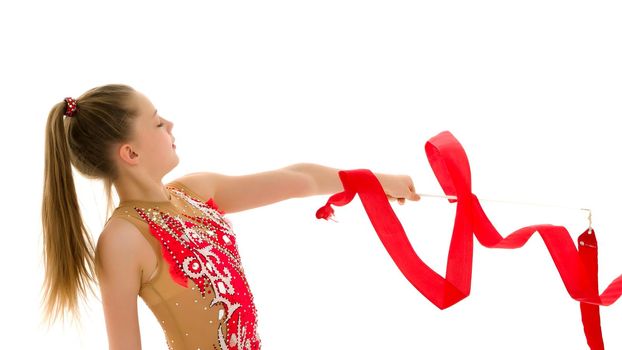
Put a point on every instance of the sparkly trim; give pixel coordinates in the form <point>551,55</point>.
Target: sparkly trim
<point>210,203</point>
<point>203,248</point>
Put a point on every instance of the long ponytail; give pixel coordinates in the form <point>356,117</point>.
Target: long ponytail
<point>68,248</point>
<point>84,140</point>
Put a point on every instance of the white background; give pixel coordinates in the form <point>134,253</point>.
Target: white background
<point>531,89</point>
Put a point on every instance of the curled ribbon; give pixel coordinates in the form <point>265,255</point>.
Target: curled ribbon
<point>578,268</point>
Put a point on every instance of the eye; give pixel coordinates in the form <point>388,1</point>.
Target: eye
<point>160,125</point>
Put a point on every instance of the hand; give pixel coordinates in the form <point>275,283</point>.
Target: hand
<point>398,187</point>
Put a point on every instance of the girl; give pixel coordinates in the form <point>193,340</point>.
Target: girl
<point>169,244</point>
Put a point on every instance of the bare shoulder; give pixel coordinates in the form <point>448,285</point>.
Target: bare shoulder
<point>120,245</point>
<point>119,276</point>
<point>117,232</point>
<point>202,184</point>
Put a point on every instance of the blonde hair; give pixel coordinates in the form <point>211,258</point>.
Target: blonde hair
<point>104,117</point>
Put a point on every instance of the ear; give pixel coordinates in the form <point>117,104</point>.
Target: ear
<point>127,154</point>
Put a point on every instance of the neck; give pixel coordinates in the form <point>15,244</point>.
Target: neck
<point>140,187</point>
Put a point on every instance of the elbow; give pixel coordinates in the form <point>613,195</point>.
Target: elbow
<point>306,183</point>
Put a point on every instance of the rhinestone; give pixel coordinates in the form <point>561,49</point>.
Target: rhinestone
<point>221,287</point>
<point>206,227</point>
<point>234,340</point>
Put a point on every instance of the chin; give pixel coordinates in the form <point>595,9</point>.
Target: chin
<point>170,165</point>
<point>175,162</point>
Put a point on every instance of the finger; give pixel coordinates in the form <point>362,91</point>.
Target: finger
<point>414,195</point>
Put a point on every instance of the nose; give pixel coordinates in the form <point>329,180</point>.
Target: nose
<point>170,130</point>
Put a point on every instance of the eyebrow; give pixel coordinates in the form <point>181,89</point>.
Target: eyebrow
<point>155,112</point>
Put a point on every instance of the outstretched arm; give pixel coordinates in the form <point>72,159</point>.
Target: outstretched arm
<point>242,192</point>
<point>326,180</point>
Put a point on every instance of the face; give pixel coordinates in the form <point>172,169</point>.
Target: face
<point>152,141</point>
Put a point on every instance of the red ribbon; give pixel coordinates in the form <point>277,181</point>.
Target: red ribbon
<point>577,268</point>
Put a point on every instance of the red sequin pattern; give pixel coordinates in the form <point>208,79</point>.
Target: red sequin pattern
<point>203,248</point>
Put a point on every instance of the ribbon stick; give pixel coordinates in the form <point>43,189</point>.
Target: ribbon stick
<point>577,267</point>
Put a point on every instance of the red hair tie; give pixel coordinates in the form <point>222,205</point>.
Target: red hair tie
<point>71,108</point>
